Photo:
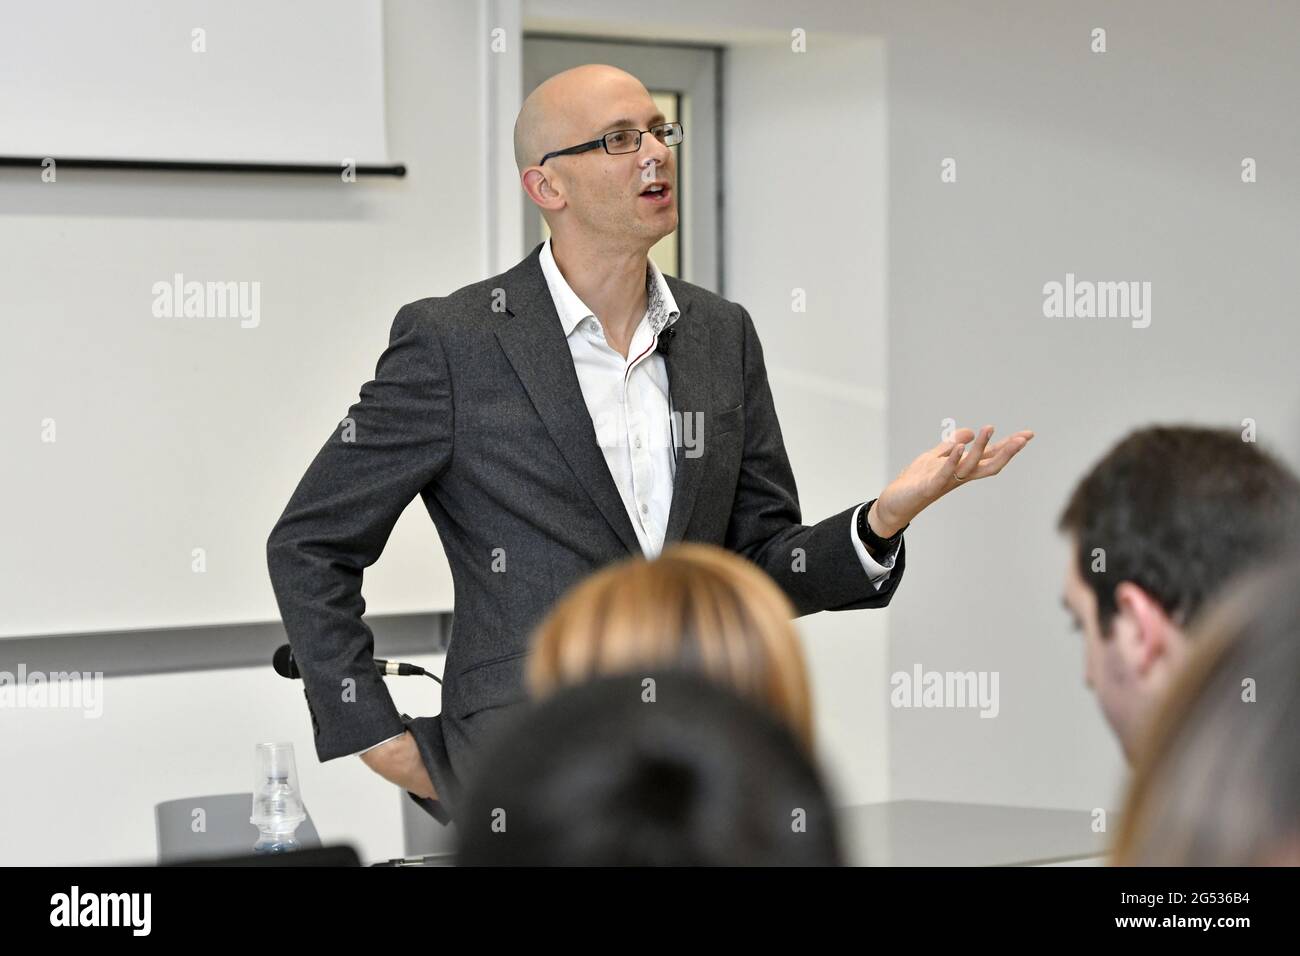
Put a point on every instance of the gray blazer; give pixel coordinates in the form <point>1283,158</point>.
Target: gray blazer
<point>475,407</point>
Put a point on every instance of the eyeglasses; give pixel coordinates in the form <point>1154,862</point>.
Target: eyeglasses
<point>624,140</point>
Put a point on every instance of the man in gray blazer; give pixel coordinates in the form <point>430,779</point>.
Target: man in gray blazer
<point>575,410</point>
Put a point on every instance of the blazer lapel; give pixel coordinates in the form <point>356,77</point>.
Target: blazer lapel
<point>533,340</point>
<point>688,368</point>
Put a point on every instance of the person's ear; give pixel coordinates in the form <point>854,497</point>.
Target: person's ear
<point>539,188</point>
<point>1142,627</point>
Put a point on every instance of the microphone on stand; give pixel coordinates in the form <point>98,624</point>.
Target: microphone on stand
<point>287,667</point>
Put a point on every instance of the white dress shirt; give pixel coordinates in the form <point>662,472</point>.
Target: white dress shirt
<point>630,409</point>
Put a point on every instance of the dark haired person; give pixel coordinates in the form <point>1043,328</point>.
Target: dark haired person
<point>620,772</point>
<point>1156,528</point>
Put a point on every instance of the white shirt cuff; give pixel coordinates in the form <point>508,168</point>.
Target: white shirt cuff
<point>877,571</point>
<point>373,746</point>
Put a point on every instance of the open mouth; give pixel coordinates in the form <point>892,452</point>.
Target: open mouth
<point>659,194</point>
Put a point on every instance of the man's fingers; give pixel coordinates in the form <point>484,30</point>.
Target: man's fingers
<point>964,436</point>
<point>991,466</point>
<point>949,466</point>
<point>961,436</point>
<point>1021,438</point>
<point>1024,435</point>
<point>972,458</point>
<point>996,447</point>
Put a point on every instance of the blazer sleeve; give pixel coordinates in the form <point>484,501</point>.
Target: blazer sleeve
<point>816,565</point>
<point>393,442</point>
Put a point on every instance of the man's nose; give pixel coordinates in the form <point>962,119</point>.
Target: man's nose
<point>653,149</point>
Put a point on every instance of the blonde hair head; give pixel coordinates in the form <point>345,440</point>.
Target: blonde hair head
<point>695,606</point>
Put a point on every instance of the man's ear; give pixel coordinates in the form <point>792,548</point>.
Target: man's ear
<point>539,188</point>
<point>1142,626</point>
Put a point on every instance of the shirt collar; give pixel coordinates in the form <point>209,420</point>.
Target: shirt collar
<point>661,306</point>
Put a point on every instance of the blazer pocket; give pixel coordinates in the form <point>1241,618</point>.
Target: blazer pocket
<point>725,421</point>
<point>490,683</point>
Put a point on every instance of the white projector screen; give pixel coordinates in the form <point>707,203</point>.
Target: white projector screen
<point>235,81</point>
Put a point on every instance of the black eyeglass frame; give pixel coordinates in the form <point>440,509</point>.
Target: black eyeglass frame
<point>584,147</point>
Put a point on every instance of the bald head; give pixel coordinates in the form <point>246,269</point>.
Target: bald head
<point>565,109</point>
<point>595,197</point>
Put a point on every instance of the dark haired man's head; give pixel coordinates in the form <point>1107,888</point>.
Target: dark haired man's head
<point>1156,529</point>
<point>621,772</point>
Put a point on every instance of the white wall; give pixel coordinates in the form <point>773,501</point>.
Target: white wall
<point>1123,166</point>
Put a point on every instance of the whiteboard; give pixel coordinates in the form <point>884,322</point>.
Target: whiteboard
<point>234,81</point>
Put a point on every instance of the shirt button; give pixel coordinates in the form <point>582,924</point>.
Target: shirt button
<point>644,509</point>
<point>637,443</point>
